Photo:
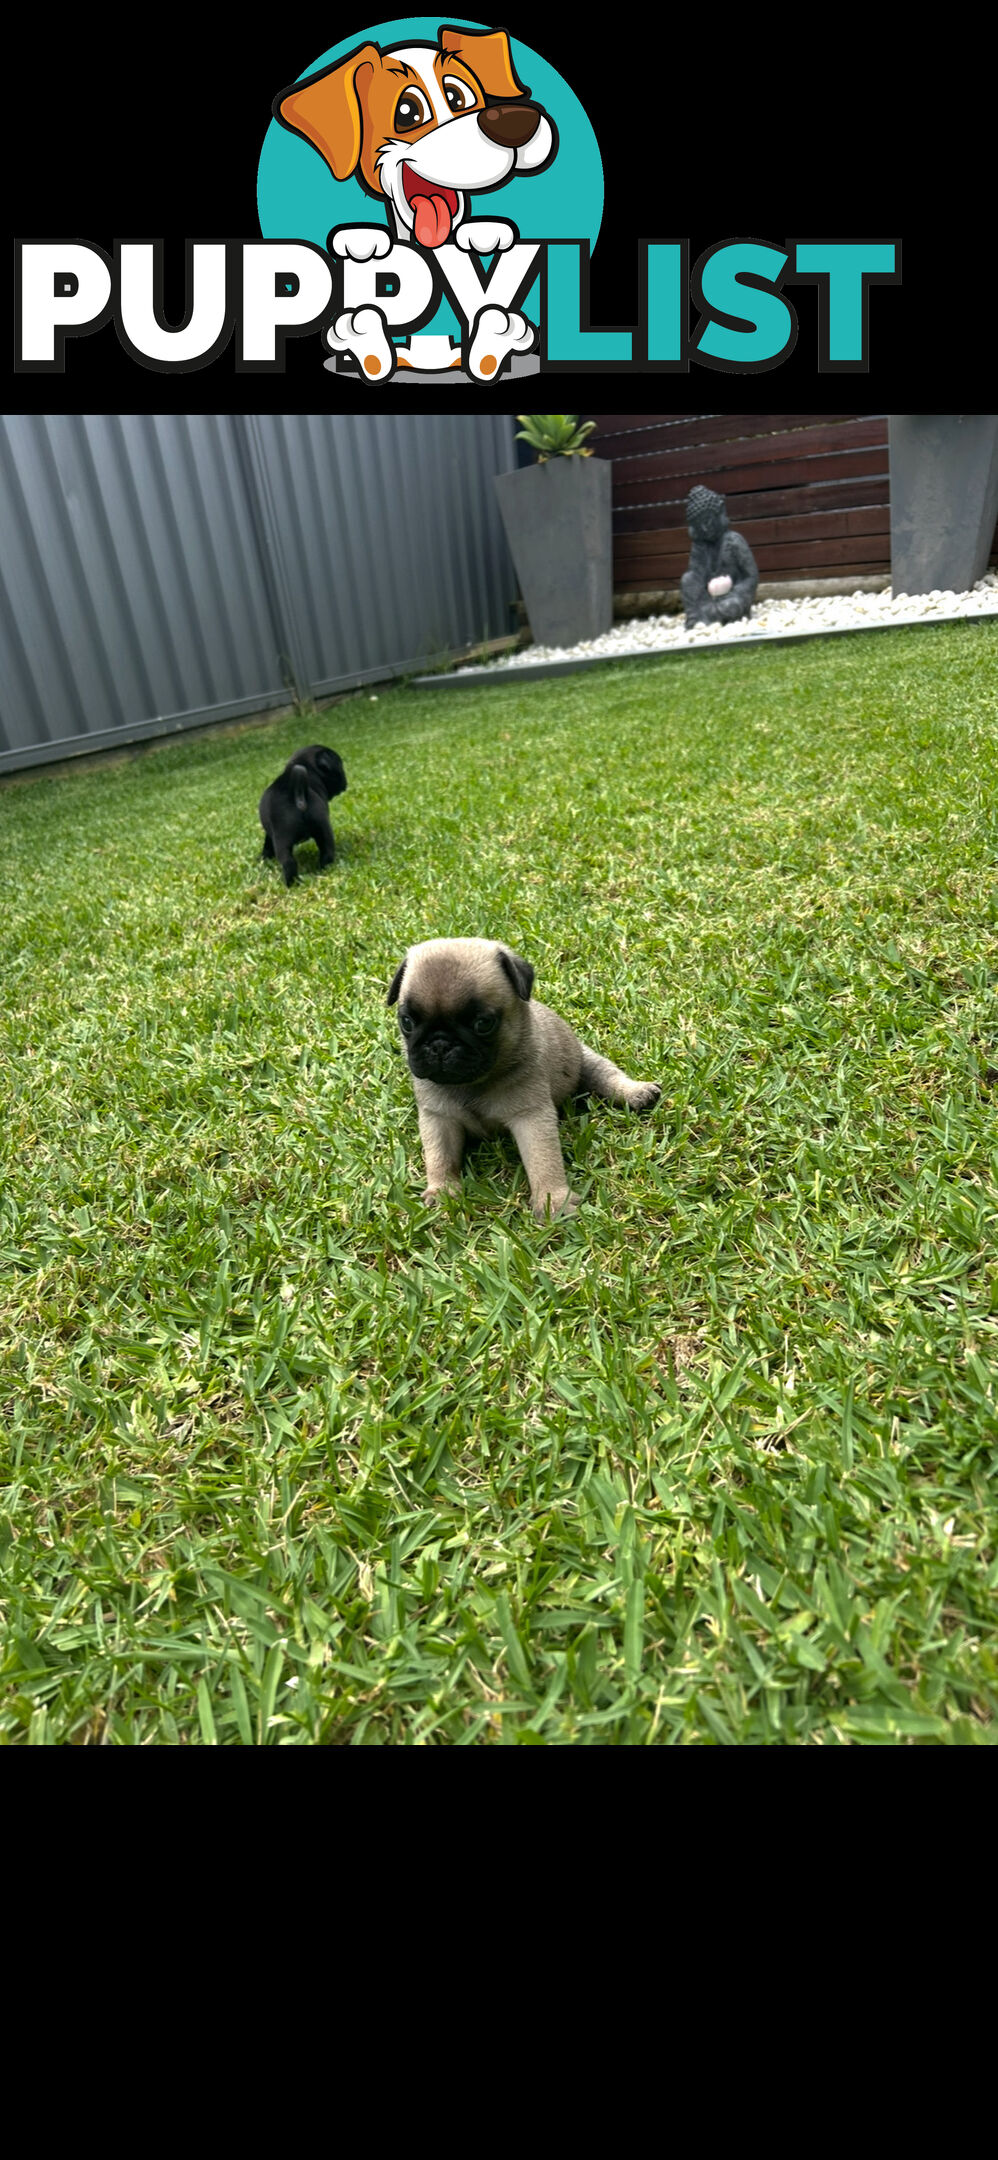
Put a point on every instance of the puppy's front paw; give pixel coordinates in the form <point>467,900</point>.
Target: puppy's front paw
<point>434,1193</point>
<point>484,236</point>
<point>646,1095</point>
<point>549,1205</point>
<point>360,243</point>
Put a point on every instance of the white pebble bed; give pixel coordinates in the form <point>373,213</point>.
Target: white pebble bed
<point>769,618</point>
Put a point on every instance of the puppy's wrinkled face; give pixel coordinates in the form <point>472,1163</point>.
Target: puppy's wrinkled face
<point>331,773</point>
<point>459,1010</point>
<point>450,1046</point>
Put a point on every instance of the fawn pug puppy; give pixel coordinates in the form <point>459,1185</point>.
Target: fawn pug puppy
<point>484,1059</point>
<point>296,807</point>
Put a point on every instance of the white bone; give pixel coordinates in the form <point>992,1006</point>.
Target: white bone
<point>432,354</point>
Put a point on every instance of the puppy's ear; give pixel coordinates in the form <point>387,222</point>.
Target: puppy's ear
<point>520,972</point>
<point>489,57</point>
<point>328,109</point>
<point>396,984</point>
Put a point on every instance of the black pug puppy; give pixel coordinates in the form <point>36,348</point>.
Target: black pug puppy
<point>296,807</point>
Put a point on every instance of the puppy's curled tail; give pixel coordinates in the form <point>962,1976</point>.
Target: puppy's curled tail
<point>300,778</point>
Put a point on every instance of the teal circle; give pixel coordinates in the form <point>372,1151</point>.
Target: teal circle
<point>299,199</point>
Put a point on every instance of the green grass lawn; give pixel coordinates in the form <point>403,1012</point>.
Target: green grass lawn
<point>290,1458</point>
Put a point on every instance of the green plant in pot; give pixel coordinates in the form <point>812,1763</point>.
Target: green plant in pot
<point>554,434</point>
<point>557,519</point>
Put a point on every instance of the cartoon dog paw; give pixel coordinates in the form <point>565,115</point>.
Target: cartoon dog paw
<point>484,236</point>
<point>495,335</point>
<point>358,243</point>
<point>364,334</point>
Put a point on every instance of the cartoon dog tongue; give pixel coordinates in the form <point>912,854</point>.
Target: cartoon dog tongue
<point>432,220</point>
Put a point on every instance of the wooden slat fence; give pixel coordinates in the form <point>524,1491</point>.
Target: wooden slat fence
<point>810,491</point>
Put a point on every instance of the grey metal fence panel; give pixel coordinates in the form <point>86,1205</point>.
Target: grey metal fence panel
<point>133,594</point>
<point>389,529</point>
<point>158,571</point>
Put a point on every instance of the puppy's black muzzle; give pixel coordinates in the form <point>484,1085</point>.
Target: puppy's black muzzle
<point>439,1058</point>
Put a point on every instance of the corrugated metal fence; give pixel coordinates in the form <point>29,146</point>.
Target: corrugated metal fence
<point>161,571</point>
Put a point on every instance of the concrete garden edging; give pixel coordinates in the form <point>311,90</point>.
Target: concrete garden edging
<point>474,677</point>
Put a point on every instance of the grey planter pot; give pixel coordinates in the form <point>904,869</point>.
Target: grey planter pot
<point>558,525</point>
<point>944,499</point>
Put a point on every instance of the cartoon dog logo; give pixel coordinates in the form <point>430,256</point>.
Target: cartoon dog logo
<point>423,127</point>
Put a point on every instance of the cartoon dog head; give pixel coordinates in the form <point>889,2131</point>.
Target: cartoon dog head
<point>422,125</point>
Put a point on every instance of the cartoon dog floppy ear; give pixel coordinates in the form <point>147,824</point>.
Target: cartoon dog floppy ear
<point>489,58</point>
<point>328,109</point>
